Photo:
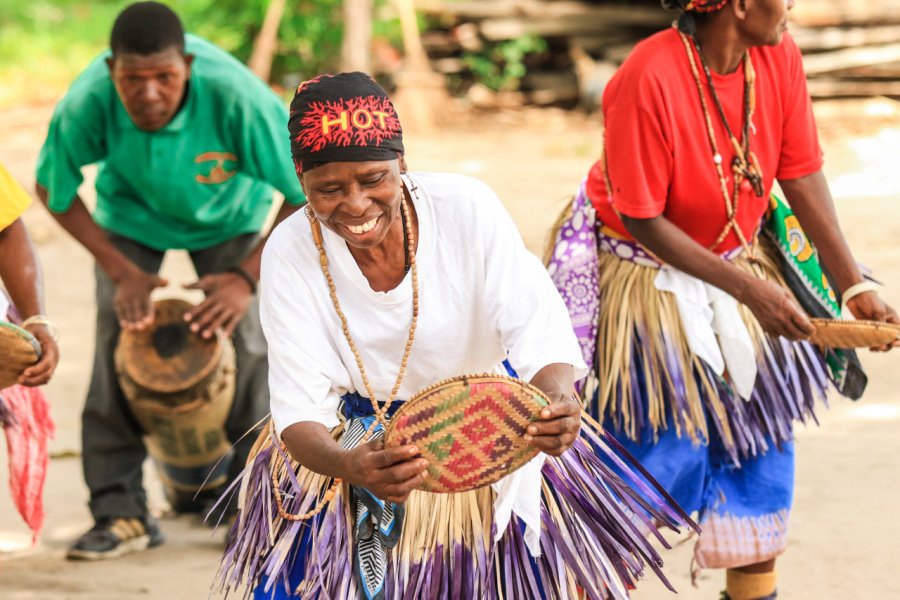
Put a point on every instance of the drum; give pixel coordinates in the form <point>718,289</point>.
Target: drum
<point>180,388</point>
<point>18,351</point>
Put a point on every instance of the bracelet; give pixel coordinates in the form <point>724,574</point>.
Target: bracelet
<point>240,272</point>
<point>46,322</point>
<point>855,290</point>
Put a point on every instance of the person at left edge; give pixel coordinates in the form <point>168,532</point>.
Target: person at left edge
<point>190,145</point>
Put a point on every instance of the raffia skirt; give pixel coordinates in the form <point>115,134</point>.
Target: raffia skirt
<point>597,521</point>
<point>727,459</point>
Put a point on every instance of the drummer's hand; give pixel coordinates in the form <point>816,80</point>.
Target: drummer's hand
<point>40,372</point>
<point>777,311</point>
<point>227,298</point>
<point>869,306</point>
<point>390,474</point>
<point>557,428</point>
<point>132,300</point>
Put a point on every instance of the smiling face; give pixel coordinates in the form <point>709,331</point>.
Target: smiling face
<point>766,21</point>
<point>151,86</point>
<point>359,201</point>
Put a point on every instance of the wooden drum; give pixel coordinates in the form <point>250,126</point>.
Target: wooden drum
<point>180,388</point>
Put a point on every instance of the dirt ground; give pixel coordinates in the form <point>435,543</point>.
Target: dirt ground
<point>843,542</point>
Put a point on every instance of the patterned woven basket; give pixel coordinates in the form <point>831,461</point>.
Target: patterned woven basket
<point>839,333</point>
<point>470,429</point>
<point>18,350</point>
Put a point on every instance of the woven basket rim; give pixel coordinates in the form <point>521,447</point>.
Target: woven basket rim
<point>475,378</point>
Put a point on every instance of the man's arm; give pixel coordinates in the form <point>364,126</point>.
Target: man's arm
<point>22,277</point>
<point>133,286</point>
<point>228,294</point>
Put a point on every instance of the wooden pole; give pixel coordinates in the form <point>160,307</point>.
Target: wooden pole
<point>421,97</point>
<point>266,43</point>
<point>357,43</point>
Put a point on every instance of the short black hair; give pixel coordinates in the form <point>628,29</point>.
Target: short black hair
<point>146,28</point>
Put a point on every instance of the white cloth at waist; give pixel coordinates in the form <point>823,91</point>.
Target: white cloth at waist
<point>713,326</point>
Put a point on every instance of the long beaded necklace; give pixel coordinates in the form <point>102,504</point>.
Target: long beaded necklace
<point>744,166</point>
<point>379,412</point>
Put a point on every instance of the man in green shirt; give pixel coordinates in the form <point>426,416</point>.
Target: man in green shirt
<point>190,146</point>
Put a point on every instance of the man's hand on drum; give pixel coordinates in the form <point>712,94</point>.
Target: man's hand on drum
<point>40,372</point>
<point>870,306</point>
<point>557,428</point>
<point>132,300</point>
<point>227,297</point>
<point>389,473</point>
<point>777,311</point>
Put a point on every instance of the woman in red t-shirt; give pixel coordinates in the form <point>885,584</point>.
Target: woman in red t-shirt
<point>700,364</point>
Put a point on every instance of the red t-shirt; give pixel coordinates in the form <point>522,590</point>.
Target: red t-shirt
<point>657,147</point>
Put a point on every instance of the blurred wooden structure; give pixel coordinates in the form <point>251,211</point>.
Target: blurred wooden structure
<point>266,43</point>
<point>851,48</point>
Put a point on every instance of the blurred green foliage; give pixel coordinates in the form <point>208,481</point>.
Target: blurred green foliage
<point>501,66</point>
<point>44,44</point>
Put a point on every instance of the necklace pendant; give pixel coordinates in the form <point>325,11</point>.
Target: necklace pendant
<point>745,185</point>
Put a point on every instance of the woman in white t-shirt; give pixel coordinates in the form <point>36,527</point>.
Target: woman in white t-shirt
<point>387,284</point>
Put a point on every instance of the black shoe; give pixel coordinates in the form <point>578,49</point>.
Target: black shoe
<point>112,537</point>
<point>772,596</point>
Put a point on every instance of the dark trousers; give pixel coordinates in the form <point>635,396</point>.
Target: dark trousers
<point>112,449</point>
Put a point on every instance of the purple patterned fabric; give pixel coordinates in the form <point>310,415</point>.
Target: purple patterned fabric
<point>573,269</point>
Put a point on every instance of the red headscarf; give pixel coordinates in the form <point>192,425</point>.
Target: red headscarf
<point>703,6</point>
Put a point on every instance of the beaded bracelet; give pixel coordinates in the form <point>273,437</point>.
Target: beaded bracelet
<point>46,322</point>
<point>240,272</point>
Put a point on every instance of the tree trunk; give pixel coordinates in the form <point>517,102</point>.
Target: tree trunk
<point>266,42</point>
<point>357,44</point>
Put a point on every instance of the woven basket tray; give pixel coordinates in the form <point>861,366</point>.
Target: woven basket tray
<point>839,333</point>
<point>18,350</point>
<point>469,428</point>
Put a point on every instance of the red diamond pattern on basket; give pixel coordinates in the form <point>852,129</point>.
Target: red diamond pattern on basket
<point>478,430</point>
<point>471,434</point>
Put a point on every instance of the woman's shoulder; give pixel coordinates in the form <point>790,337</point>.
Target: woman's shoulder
<point>654,67</point>
<point>655,55</point>
<point>454,196</point>
<point>452,185</point>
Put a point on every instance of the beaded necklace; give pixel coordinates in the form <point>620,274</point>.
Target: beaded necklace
<point>745,166</point>
<point>379,412</point>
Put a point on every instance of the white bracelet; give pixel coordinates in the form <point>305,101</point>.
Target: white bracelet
<point>46,322</point>
<point>855,290</point>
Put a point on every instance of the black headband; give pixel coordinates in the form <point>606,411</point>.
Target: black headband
<point>343,118</point>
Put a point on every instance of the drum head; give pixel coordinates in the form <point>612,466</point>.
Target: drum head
<point>469,428</point>
<point>18,351</point>
<point>168,357</point>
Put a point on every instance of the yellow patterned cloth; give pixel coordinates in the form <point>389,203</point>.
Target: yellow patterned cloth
<point>13,199</point>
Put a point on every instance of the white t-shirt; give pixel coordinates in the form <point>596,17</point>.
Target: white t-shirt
<point>483,297</point>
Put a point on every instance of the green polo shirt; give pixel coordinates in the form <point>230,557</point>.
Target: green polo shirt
<point>206,177</point>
